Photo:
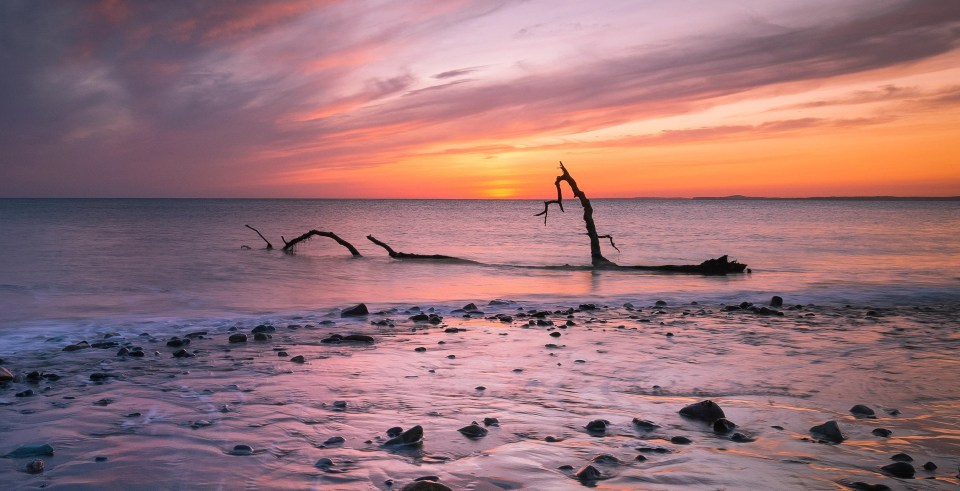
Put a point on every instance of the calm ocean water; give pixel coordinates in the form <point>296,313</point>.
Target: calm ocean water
<point>72,262</point>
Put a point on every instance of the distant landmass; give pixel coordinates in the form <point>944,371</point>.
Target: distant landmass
<point>836,198</point>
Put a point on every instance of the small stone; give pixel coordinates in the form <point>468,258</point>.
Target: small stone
<point>323,463</point>
<point>282,353</point>
<point>706,411</point>
<point>680,440</point>
<point>862,486</point>
<point>862,411</point>
<point>394,432</point>
<point>588,473</point>
<point>723,425</point>
<point>100,458</point>
<point>355,311</point>
<point>555,334</point>
<point>776,301</point>
<point>565,467</point>
<point>901,457</point>
<point>606,459</point>
<point>238,338</point>
<point>103,402</point>
<point>470,307</point>
<point>334,440</point>
<point>882,432</point>
<point>902,470</point>
<point>420,349</point>
<point>480,388</point>
<point>358,338</point>
<point>123,352</point>
<point>425,486</point>
<point>99,377</point>
<point>263,328</point>
<point>178,343</point>
<point>35,466</point>
<point>740,438</point>
<point>829,431</point>
<point>340,404</point>
<point>25,393</point>
<point>182,353</point>
<point>261,336</point>
<point>451,356</point>
<point>660,303</point>
<point>929,466</point>
<point>640,458</point>
<point>597,426</point>
<point>242,450</point>
<point>298,359</point>
<point>491,422</point>
<point>413,436</point>
<point>644,424</point>
<point>473,430</point>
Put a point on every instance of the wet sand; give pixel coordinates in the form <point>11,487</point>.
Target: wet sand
<point>162,422</point>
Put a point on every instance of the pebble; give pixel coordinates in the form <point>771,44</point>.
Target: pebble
<point>606,459</point>
<point>597,426</point>
<point>902,470</point>
<point>883,432</point>
<point>555,334</point>
<point>262,336</point>
<point>901,457</point>
<point>412,436</point>
<point>588,473</point>
<point>862,411</point>
<point>680,440</point>
<point>44,450</point>
<point>491,422</point>
<point>829,431</point>
<point>25,393</point>
<point>182,353</point>
<point>334,440</point>
<point>929,466</point>
<point>238,338</point>
<point>420,349</point>
<point>473,430</point>
<point>644,424</point>
<point>35,466</point>
<point>425,486</point>
<point>480,388</point>
<point>340,404</point>
<point>5,375</point>
<point>723,425</point>
<point>706,411</point>
<point>552,439</point>
<point>323,463</point>
<point>355,311</point>
<point>395,431</point>
<point>242,450</point>
<point>298,359</point>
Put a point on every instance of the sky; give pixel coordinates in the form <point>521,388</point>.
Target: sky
<point>479,98</point>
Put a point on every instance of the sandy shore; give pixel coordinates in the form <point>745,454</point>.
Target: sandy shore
<point>233,415</point>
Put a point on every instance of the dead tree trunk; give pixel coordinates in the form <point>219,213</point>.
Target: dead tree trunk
<point>430,257</point>
<point>596,256</point>
<point>269,245</point>
<point>288,246</point>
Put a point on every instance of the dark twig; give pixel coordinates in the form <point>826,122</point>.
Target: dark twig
<point>290,245</point>
<point>269,245</point>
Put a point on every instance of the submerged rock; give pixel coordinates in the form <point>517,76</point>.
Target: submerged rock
<point>776,301</point>
<point>425,485</point>
<point>298,359</point>
<point>177,342</point>
<point>262,336</point>
<point>355,311</point>
<point>597,426</point>
<point>473,430</point>
<point>706,411</point>
<point>358,338</point>
<point>882,432</point>
<point>395,431</point>
<point>901,457</point>
<point>35,467</point>
<point>491,422</point>
<point>263,328</point>
<point>242,450</point>
<point>323,463</point>
<point>723,425</point>
<point>829,431</point>
<point>182,353</point>
<point>334,440</point>
<point>680,440</point>
<point>44,450</point>
<point>644,424</point>
<point>238,338</point>
<point>413,436</point>
<point>902,470</point>
<point>862,411</point>
<point>588,473</point>
<point>606,459</point>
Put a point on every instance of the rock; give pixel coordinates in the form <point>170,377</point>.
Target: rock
<point>35,467</point>
<point>340,404</point>
<point>652,450</point>
<point>100,458</point>
<point>588,473</point>
<point>413,436</point>
<point>588,306</point>
<point>333,339</point>
<point>25,393</point>
<point>644,424</point>
<point>929,466</point>
<point>182,353</point>
<point>242,450</point>
<point>355,311</point>
<point>103,402</point>
<point>473,430</point>
<point>902,470</point>
<point>324,463</point>
<point>298,359</point>
<point>597,426</point>
<point>420,349</point>
<point>480,388</point>
<point>451,330</point>
<point>680,440</point>
<point>555,334</point>
<point>178,343</point>
<point>606,459</point>
<point>882,432</point>
<point>5,375</point>
<point>123,352</point>
<point>901,457</point>
<point>262,336</point>
<point>358,338</point>
<point>425,486</point>
<point>829,431</point>
<point>706,411</point>
<point>640,458</point>
<point>740,438</point>
<point>79,346</point>
<point>421,317</point>
<point>776,301</point>
<point>862,486</point>
<point>238,338</point>
<point>282,353</point>
<point>491,422</point>
<point>862,411</point>
<point>394,432</point>
<point>723,425</point>
<point>263,328</point>
<point>334,440</point>
<point>660,303</point>
<point>470,307</point>
<point>44,450</point>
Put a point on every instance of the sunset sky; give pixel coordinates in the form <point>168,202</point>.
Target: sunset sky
<point>475,99</point>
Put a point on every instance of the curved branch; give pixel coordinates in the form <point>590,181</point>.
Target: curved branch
<point>596,256</point>
<point>290,245</point>
<point>608,236</point>
<point>430,257</point>
<point>269,245</point>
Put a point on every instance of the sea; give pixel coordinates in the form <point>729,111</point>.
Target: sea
<point>74,264</point>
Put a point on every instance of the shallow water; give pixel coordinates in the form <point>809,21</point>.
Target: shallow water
<point>795,371</point>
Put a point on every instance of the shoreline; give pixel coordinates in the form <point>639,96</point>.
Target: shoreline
<point>168,422</point>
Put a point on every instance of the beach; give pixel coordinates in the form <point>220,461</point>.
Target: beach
<point>231,415</point>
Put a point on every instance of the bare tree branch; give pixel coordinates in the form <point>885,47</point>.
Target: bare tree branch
<point>269,245</point>
<point>290,245</point>
<point>432,257</point>
<point>596,256</point>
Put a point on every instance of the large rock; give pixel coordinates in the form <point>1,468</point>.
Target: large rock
<point>829,431</point>
<point>588,473</point>
<point>473,430</point>
<point>706,411</point>
<point>355,311</point>
<point>902,470</point>
<point>412,436</point>
<point>44,450</point>
<point>863,411</point>
<point>776,301</point>
<point>425,485</point>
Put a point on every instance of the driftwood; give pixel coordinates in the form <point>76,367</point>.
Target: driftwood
<point>288,246</point>
<point>719,266</point>
<point>429,257</point>
<point>269,245</point>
